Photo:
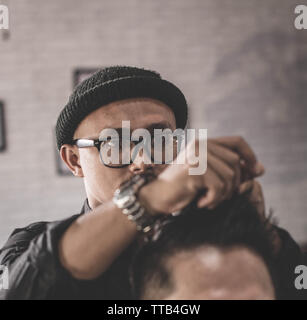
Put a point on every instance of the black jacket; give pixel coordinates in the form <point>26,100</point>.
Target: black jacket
<point>35,272</point>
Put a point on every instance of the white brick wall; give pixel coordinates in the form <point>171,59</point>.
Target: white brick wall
<point>234,59</point>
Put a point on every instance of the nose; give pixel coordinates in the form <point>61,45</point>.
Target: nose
<point>138,166</point>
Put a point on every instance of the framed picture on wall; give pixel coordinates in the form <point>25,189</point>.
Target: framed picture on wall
<point>61,167</point>
<point>81,74</point>
<point>2,128</point>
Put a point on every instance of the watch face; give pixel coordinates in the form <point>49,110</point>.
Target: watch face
<point>126,193</point>
<point>125,198</point>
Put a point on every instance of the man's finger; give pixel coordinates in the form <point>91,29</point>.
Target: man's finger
<point>225,173</point>
<point>214,187</point>
<point>231,158</point>
<point>239,145</point>
<point>247,186</point>
<point>254,191</point>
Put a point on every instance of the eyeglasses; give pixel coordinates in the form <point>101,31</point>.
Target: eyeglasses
<point>119,152</point>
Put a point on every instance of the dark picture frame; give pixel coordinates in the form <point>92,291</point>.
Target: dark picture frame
<point>79,74</point>
<point>2,128</point>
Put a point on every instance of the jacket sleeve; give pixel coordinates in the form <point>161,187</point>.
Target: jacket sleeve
<point>31,256</point>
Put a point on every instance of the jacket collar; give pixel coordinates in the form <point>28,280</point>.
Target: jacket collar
<point>86,207</point>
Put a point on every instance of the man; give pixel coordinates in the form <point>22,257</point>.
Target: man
<point>87,255</point>
<point>225,253</point>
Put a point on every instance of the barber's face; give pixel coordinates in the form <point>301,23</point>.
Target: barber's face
<point>211,273</point>
<point>101,181</point>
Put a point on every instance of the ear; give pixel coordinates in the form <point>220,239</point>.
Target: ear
<point>70,155</point>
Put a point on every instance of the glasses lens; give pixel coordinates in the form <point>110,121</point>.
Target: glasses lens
<point>115,152</point>
<point>118,153</point>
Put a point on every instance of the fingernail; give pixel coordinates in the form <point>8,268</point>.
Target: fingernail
<point>246,186</point>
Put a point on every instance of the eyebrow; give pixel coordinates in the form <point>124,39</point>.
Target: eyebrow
<point>150,128</point>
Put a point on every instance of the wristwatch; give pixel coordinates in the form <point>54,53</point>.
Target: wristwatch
<point>126,199</point>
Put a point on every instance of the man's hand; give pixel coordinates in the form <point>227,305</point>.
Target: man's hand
<point>230,163</point>
<point>253,190</point>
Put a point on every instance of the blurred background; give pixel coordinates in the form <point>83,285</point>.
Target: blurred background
<point>241,64</point>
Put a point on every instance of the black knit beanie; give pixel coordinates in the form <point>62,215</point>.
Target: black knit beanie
<point>112,84</point>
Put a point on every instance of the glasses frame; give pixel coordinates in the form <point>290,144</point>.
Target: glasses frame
<point>86,143</point>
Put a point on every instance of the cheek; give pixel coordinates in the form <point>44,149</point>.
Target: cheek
<point>89,160</point>
<point>101,181</point>
<point>105,181</point>
<point>109,179</point>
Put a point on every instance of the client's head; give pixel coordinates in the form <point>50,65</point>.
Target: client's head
<point>225,253</point>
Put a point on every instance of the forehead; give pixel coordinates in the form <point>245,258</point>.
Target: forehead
<point>214,269</point>
<point>141,112</point>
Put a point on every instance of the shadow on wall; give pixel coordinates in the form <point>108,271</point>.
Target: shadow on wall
<point>262,97</point>
<point>258,90</point>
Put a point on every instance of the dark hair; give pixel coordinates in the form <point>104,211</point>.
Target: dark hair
<point>235,222</point>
